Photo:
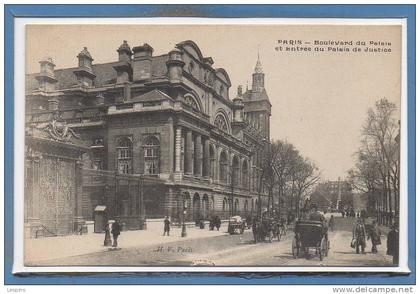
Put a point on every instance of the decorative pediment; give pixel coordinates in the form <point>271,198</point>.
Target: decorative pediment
<point>192,48</point>
<point>58,130</point>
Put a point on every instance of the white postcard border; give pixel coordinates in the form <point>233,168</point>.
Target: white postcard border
<point>19,131</point>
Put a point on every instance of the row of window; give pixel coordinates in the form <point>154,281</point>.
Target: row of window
<point>226,205</point>
<point>151,149</point>
<point>151,155</point>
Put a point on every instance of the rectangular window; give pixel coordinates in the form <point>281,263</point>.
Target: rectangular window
<point>124,166</point>
<point>151,167</point>
<point>124,153</point>
<point>151,152</point>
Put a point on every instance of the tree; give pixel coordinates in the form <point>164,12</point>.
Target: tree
<point>283,166</point>
<point>305,176</point>
<point>376,171</point>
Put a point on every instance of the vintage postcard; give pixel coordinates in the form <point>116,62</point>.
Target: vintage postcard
<point>214,145</point>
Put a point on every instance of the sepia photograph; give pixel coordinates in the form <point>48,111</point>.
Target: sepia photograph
<point>269,146</point>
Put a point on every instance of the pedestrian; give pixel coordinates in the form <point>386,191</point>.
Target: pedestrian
<point>166,226</point>
<point>202,224</point>
<point>218,222</point>
<point>393,245</point>
<point>314,214</point>
<point>359,236</point>
<point>211,224</point>
<point>107,241</point>
<point>115,231</point>
<point>331,223</point>
<point>375,236</point>
<point>343,213</point>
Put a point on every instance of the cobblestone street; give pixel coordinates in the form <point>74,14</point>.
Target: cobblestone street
<point>204,247</point>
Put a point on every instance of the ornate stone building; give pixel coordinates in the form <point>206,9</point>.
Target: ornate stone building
<point>167,119</point>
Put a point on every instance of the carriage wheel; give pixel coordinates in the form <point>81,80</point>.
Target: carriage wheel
<point>295,248</point>
<point>328,248</point>
<point>231,230</point>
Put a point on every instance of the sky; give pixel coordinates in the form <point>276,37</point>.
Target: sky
<point>319,99</point>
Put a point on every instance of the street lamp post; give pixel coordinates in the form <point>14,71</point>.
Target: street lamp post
<point>184,212</point>
<point>260,155</point>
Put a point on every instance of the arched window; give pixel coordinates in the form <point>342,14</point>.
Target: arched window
<point>151,155</point>
<point>221,122</point>
<point>245,174</point>
<point>246,206</point>
<point>236,207</point>
<point>192,102</point>
<point>224,207</point>
<point>191,67</point>
<point>125,155</point>
<point>235,171</point>
<point>223,165</point>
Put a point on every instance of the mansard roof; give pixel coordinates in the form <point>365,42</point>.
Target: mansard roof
<point>105,74</point>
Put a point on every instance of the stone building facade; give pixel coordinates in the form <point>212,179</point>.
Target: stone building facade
<point>167,118</point>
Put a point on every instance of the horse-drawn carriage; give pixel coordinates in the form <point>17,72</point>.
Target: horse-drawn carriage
<point>236,225</point>
<point>310,235</point>
<point>267,227</point>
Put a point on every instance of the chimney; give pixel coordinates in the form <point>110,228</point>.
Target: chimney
<point>85,59</point>
<point>142,62</point>
<point>46,77</point>
<point>175,65</point>
<point>238,107</point>
<point>124,52</point>
<point>84,72</point>
<point>123,67</point>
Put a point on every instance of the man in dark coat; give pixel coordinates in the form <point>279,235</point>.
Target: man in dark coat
<point>393,244</point>
<point>375,236</point>
<point>315,215</point>
<point>218,222</point>
<point>359,234</point>
<point>166,226</point>
<point>331,223</point>
<point>115,231</point>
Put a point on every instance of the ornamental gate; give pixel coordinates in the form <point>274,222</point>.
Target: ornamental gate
<point>57,195</point>
<point>53,180</point>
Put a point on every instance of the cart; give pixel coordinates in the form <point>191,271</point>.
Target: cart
<point>310,235</point>
<point>236,225</point>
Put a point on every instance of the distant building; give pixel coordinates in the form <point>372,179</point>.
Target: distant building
<point>333,194</point>
<point>163,127</point>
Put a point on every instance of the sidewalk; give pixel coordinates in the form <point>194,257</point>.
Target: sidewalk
<point>72,245</point>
